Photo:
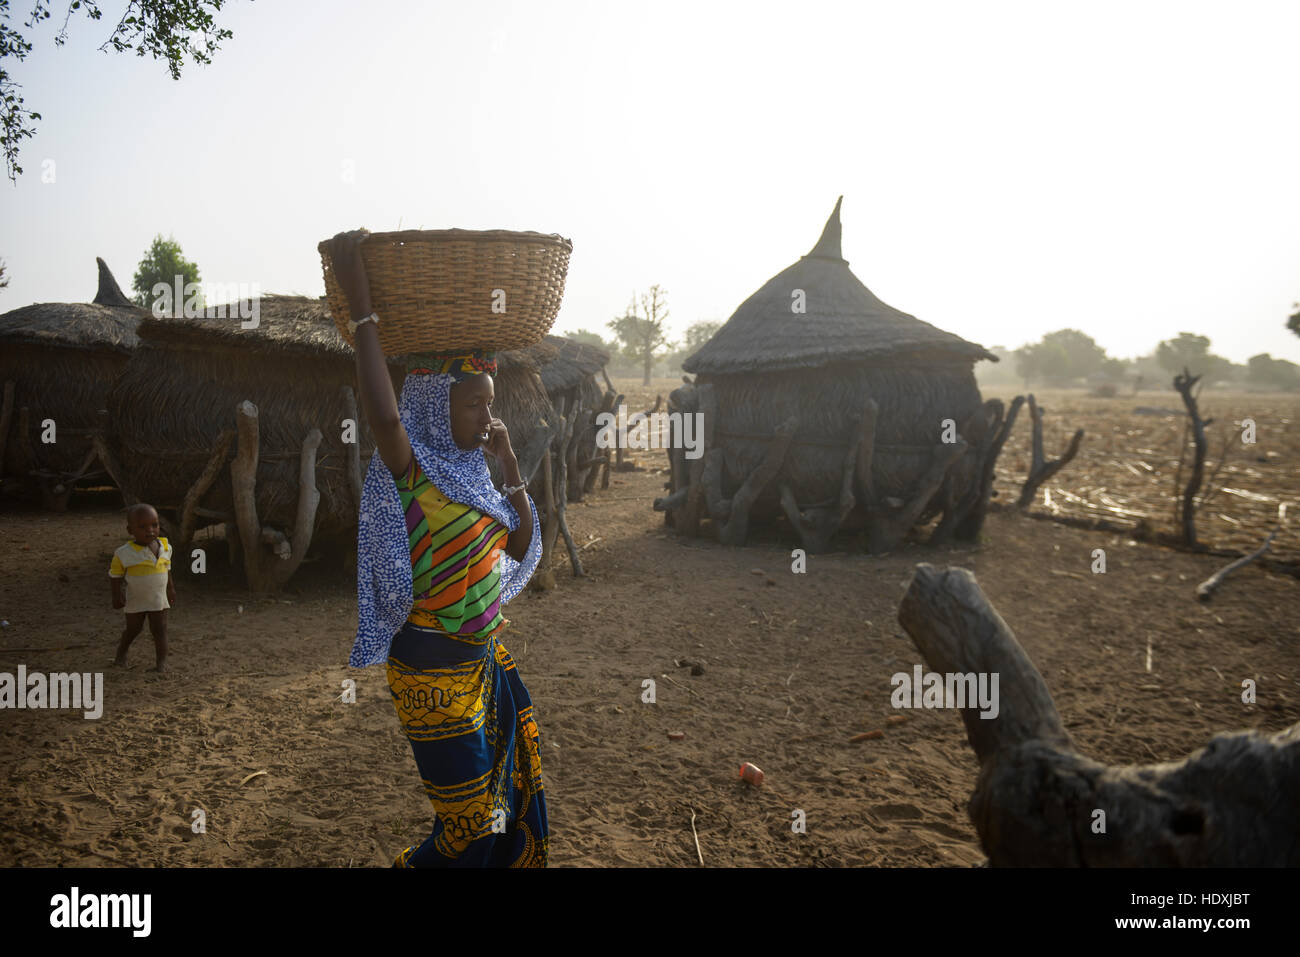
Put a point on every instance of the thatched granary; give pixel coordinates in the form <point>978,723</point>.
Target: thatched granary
<point>569,369</point>
<point>820,401</point>
<point>180,444</point>
<point>57,363</point>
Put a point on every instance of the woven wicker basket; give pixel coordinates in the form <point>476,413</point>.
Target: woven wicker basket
<point>457,289</point>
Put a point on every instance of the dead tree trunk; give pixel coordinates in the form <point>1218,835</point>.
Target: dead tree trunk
<point>1039,803</point>
<point>968,529</point>
<point>355,480</point>
<point>561,484</point>
<point>263,572</point>
<point>886,529</point>
<point>1039,469</point>
<point>99,440</point>
<point>687,522</point>
<point>544,577</point>
<point>1183,383</point>
<point>201,486</point>
<point>734,531</point>
<point>817,526</point>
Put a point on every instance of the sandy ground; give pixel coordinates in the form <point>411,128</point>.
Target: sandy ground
<point>793,666</point>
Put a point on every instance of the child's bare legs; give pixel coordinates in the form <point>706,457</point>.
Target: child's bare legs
<point>158,628</point>
<point>134,625</point>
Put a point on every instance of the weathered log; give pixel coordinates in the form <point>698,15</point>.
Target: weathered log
<point>566,432</point>
<point>544,577</point>
<point>1184,383</point>
<point>261,574</point>
<point>719,506</point>
<point>687,522</point>
<point>968,529</point>
<point>1040,470</point>
<point>355,481</point>
<point>886,529</point>
<point>201,485</point>
<point>668,502</point>
<point>1206,589</point>
<point>104,452</point>
<point>979,430</point>
<point>737,526</point>
<point>1038,802</point>
<point>817,525</point>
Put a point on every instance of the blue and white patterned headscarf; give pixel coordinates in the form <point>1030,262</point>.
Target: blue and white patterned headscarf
<point>384,587</point>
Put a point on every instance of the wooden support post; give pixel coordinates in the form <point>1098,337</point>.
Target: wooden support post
<point>1187,515</point>
<point>202,484</point>
<point>968,529</point>
<point>99,440</point>
<point>981,430</point>
<point>737,526</point>
<point>560,486</point>
<point>884,531</point>
<point>262,574</point>
<point>1041,470</point>
<point>355,481</point>
<point>687,522</point>
<point>1036,800</point>
<point>718,505</point>
<point>544,577</point>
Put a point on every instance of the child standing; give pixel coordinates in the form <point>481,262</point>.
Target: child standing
<point>142,569</point>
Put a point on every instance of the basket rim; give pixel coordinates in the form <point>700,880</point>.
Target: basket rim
<point>461,235</point>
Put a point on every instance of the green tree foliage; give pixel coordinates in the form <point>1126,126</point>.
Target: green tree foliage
<point>641,336</point>
<point>1062,356</point>
<point>1192,352</point>
<point>4,279</point>
<point>170,30</point>
<point>1268,373</point>
<point>698,333</point>
<point>590,338</point>
<point>162,263</point>
<point>1294,322</point>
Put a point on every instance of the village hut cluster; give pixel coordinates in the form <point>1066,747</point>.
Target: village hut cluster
<point>57,364</point>
<point>821,402</point>
<point>255,428</point>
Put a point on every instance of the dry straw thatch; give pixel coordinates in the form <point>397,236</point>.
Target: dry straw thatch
<point>775,367</point>
<point>62,358</point>
<point>178,395</point>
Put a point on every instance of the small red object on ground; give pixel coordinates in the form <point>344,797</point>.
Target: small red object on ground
<point>750,774</point>
<point>676,735</point>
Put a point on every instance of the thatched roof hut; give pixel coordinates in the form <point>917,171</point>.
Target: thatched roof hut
<point>57,363</point>
<point>174,418</point>
<point>824,402</point>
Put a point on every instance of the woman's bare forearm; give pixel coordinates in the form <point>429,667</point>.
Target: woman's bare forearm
<point>519,540</point>
<point>375,387</point>
<point>379,401</point>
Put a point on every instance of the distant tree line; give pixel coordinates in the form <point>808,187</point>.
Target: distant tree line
<point>1069,357</point>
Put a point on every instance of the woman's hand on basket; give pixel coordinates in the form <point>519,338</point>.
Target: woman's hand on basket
<point>350,271</point>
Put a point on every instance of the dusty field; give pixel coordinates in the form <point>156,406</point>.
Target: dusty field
<point>794,665</point>
<point>1126,467</point>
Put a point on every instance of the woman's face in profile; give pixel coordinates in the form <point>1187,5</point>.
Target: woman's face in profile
<point>471,411</point>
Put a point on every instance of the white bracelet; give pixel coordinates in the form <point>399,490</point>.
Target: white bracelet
<point>510,490</point>
<point>354,325</point>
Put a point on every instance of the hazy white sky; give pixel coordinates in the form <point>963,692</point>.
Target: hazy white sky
<point>1128,169</point>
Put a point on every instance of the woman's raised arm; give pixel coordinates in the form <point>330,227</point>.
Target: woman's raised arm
<point>376,388</point>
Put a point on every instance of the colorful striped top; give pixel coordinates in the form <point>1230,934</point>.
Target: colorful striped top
<point>455,549</point>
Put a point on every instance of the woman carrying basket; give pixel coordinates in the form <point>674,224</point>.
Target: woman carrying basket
<point>439,552</point>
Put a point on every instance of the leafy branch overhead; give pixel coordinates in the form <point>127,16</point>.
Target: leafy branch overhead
<point>170,30</point>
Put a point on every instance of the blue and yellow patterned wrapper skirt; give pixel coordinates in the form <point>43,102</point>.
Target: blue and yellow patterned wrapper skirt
<point>470,722</point>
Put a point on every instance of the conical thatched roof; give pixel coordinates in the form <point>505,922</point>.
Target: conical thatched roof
<point>108,323</point>
<point>842,322</point>
<point>566,362</point>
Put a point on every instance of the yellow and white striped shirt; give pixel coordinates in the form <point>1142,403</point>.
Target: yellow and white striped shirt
<point>146,576</point>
